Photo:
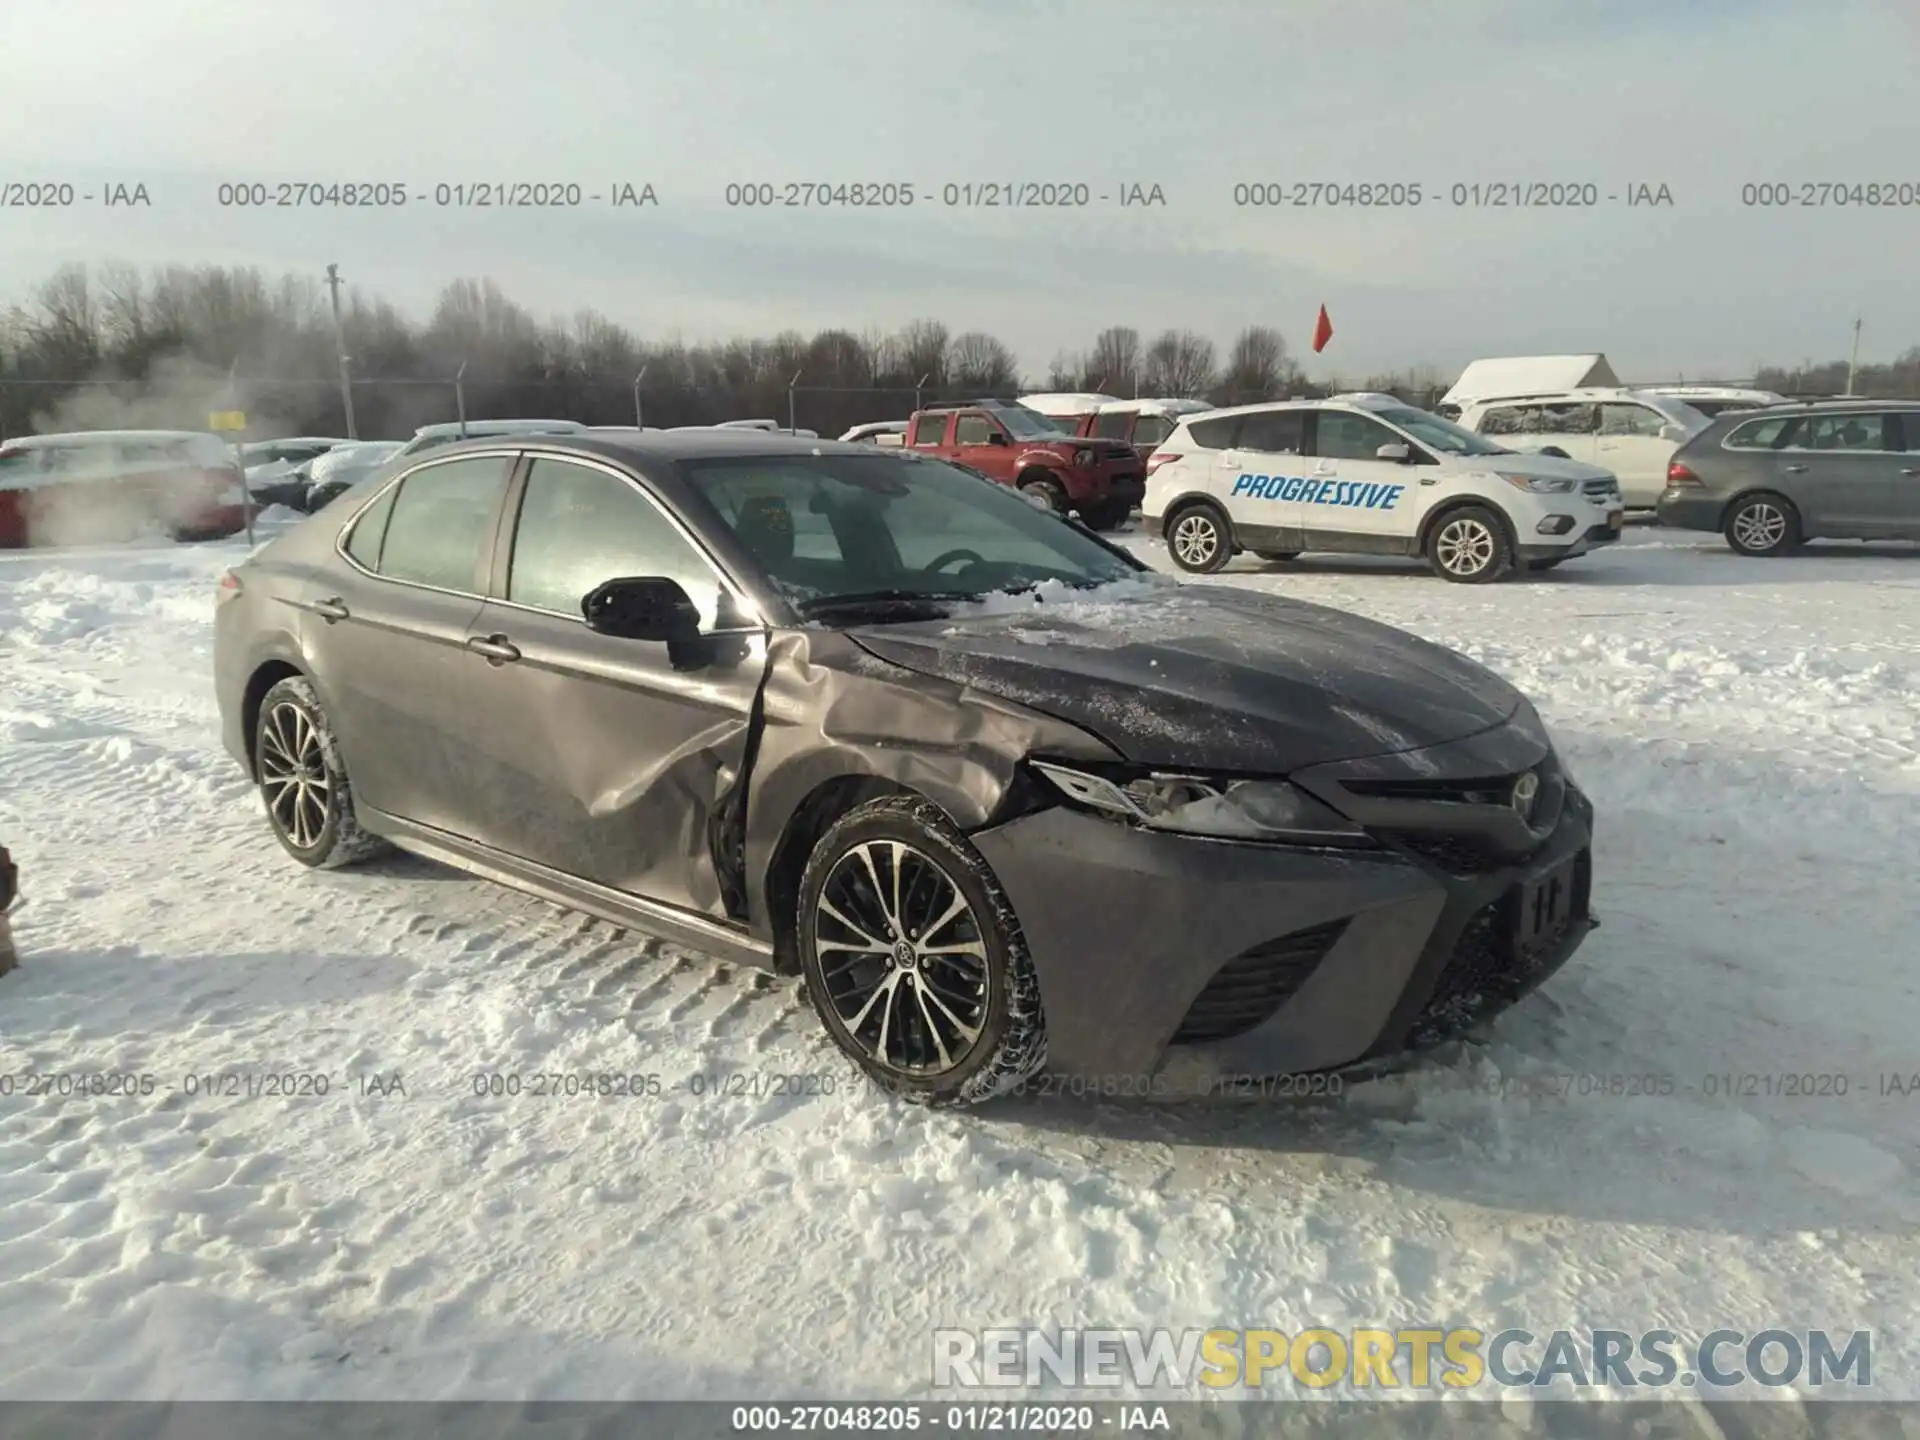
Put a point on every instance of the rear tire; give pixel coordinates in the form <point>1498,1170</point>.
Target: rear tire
<point>1469,546</point>
<point>1199,537</point>
<point>304,783</point>
<point>1763,524</point>
<point>913,959</point>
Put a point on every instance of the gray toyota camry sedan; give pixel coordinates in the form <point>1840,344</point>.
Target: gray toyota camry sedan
<point>1005,798</point>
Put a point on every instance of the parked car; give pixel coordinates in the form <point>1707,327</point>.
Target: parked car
<point>1631,433</point>
<point>1367,474</point>
<point>1507,376</point>
<point>277,470</point>
<point>1005,797</point>
<point>879,432</point>
<point>1714,400</point>
<point>107,485</point>
<point>431,437</point>
<point>1770,480</point>
<point>343,467</point>
<point>1143,424</point>
<point>1100,479</point>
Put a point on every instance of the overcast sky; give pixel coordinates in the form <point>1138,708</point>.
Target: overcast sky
<point>1701,96</point>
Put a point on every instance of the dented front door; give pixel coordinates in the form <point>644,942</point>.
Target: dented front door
<point>606,760</point>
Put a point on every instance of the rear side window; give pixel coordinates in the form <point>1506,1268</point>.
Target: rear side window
<point>1759,434</point>
<point>1152,429</point>
<point>369,530</point>
<point>441,522</point>
<point>1909,420</point>
<point>929,429</point>
<point>1215,434</point>
<point>1274,432</point>
<point>1846,432</point>
<point>1631,420</point>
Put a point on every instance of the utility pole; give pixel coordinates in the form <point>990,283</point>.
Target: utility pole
<point>340,349</point>
<point>1853,362</point>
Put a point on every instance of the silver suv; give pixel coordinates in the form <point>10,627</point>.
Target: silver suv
<point>1770,479</point>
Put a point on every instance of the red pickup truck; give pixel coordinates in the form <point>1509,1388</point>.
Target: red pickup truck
<point>1100,479</point>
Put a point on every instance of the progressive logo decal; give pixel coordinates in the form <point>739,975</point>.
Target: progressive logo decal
<point>1311,490</point>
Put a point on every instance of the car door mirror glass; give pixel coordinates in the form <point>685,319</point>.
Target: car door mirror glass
<point>1394,450</point>
<point>651,608</point>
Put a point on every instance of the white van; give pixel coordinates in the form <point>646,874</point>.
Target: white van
<point>1369,474</point>
<point>1632,433</point>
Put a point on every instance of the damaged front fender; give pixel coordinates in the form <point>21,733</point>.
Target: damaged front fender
<point>838,724</point>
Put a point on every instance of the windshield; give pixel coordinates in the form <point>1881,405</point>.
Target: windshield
<point>1678,411</point>
<point>1028,424</point>
<point>1442,435</point>
<point>877,530</point>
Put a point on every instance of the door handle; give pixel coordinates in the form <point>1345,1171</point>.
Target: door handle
<point>497,649</point>
<point>331,609</point>
<point>1794,469</point>
<point>1910,472</point>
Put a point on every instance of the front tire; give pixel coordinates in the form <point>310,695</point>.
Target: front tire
<point>1047,490</point>
<point>1469,547</point>
<point>308,797</point>
<point>913,959</point>
<point>1199,539</point>
<point>1764,524</point>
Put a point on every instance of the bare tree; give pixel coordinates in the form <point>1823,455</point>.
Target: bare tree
<point>1179,363</point>
<point>977,361</point>
<point>1115,360</point>
<point>923,345</point>
<point>1257,367</point>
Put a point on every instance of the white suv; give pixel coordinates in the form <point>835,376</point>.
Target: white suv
<point>1369,474</point>
<point>1632,432</point>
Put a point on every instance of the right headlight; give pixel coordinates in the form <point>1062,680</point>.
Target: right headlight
<point>1543,484</point>
<point>1272,810</point>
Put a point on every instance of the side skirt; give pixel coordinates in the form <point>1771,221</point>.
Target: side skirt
<point>699,933</point>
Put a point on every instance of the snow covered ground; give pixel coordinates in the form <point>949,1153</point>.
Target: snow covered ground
<point>1750,731</point>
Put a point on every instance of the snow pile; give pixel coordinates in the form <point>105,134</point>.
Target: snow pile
<point>1748,732</point>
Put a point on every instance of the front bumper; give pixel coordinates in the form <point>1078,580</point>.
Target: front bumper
<point>1170,963</point>
<point>1688,510</point>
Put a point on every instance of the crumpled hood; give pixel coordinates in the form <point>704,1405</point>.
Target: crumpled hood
<point>1205,677</point>
<point>1550,466</point>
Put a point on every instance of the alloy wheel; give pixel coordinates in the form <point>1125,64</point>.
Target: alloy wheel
<point>1465,546</point>
<point>1196,540</point>
<point>293,774</point>
<point>1759,526</point>
<point>903,958</point>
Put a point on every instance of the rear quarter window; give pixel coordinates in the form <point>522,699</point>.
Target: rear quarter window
<point>1214,434</point>
<point>1759,434</point>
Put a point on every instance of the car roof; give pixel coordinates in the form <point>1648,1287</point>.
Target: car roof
<point>668,445</point>
<point>106,437</point>
<point>1357,402</point>
<point>1835,406</point>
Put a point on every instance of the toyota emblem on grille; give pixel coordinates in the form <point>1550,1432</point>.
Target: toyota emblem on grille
<point>1524,789</point>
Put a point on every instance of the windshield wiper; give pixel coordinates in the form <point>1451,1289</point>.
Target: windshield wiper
<point>886,600</point>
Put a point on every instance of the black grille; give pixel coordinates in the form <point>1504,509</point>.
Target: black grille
<point>1491,790</point>
<point>1250,988</point>
<point>1454,853</point>
<point>1486,971</point>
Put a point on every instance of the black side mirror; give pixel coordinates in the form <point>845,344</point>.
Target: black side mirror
<point>642,607</point>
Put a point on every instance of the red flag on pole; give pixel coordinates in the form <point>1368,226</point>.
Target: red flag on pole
<point>1322,331</point>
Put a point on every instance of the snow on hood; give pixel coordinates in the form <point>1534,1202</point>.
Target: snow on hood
<point>1206,676</point>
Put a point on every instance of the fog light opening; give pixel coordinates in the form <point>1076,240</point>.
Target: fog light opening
<point>1555,525</point>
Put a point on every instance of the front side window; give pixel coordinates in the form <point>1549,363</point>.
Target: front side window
<point>1342,435</point>
<point>973,430</point>
<point>824,527</point>
<point>580,527</point>
<point>441,523</point>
